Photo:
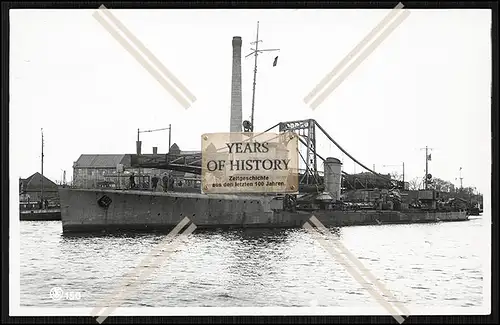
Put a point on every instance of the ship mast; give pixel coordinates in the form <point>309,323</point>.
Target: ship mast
<point>256,52</point>
<point>41,196</point>
<point>426,166</point>
<point>461,178</point>
<point>427,158</point>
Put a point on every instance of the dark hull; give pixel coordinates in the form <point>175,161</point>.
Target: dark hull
<point>40,215</point>
<point>91,211</point>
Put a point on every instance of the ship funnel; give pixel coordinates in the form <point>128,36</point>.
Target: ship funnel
<point>236,96</point>
<point>138,144</point>
<point>333,177</point>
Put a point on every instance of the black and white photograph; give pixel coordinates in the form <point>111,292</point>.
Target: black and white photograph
<point>250,162</point>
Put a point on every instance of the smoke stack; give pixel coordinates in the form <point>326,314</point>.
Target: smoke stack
<point>138,146</point>
<point>155,150</point>
<point>236,100</point>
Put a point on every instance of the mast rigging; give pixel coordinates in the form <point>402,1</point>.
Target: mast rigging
<point>249,127</point>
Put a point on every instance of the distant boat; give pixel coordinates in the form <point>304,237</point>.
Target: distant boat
<point>31,212</point>
<point>38,208</point>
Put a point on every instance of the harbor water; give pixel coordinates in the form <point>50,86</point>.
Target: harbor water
<point>421,264</point>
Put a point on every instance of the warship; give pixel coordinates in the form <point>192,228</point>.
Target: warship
<point>318,193</point>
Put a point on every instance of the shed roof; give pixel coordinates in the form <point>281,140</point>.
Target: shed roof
<point>34,182</point>
<point>100,161</point>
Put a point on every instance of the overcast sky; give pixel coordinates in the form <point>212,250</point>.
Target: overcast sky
<point>427,84</point>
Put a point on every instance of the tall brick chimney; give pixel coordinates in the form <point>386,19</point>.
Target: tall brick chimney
<point>236,100</point>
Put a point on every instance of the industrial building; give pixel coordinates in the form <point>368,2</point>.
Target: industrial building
<point>114,171</point>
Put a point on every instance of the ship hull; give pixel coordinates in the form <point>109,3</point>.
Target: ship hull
<point>84,210</point>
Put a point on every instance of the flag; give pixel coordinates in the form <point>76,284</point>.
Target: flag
<point>275,61</point>
<point>429,157</point>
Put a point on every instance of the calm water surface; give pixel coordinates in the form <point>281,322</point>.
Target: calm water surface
<point>421,264</point>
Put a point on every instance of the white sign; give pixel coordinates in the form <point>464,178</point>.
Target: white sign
<point>250,163</point>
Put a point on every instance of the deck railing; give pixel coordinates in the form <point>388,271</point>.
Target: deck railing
<point>142,182</point>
